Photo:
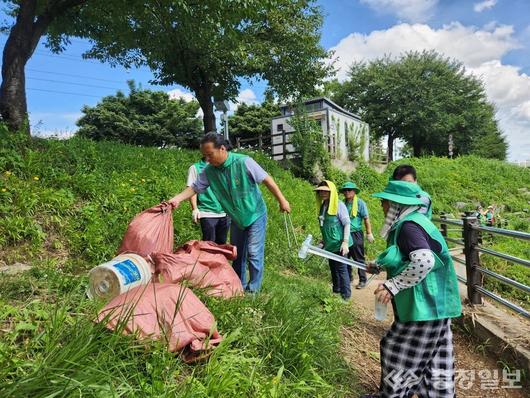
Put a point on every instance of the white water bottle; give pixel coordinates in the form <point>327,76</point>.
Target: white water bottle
<point>380,310</point>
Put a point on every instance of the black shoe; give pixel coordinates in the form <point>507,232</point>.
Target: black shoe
<point>361,285</point>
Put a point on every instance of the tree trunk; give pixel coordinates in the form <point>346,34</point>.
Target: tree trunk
<point>416,149</point>
<point>22,40</point>
<point>21,43</point>
<point>390,147</point>
<point>204,96</point>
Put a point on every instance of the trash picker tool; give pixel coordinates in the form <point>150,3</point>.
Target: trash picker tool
<point>308,248</point>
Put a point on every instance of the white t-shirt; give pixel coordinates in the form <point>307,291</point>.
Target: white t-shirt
<point>192,178</point>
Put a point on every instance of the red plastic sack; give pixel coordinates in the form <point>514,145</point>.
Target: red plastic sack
<point>203,265</point>
<point>166,312</point>
<point>150,231</point>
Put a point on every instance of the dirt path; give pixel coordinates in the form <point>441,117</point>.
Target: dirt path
<point>360,347</point>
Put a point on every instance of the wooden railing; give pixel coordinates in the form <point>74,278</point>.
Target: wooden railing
<point>472,244</point>
<point>266,143</point>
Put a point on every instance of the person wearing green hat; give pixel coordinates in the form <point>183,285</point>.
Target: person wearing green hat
<point>417,351</point>
<point>358,212</point>
<point>406,172</point>
<point>335,227</point>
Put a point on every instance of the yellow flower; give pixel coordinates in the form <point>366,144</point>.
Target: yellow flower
<point>36,178</point>
<point>4,190</point>
<point>7,173</point>
<point>132,189</point>
<point>143,179</point>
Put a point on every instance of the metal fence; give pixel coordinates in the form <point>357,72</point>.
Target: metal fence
<point>471,232</point>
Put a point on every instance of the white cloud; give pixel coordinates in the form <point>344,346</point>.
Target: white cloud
<point>178,93</point>
<point>247,96</point>
<point>480,50</point>
<point>484,5</point>
<point>409,10</point>
<point>58,134</point>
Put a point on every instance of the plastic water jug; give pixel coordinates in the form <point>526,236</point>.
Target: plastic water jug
<point>118,276</point>
<point>380,310</point>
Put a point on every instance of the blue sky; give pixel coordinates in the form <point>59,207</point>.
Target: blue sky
<point>491,38</point>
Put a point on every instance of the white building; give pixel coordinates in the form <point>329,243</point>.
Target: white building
<point>347,136</point>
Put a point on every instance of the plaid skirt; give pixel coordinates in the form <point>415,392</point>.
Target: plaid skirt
<point>417,358</point>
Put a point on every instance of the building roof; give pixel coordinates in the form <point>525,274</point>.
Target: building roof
<point>332,105</point>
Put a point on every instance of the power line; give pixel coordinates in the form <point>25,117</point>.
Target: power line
<point>67,57</point>
<point>72,75</point>
<point>63,92</point>
<point>72,83</point>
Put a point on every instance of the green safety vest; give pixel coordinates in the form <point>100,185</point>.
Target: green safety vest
<point>239,197</point>
<point>437,295</point>
<point>207,201</point>
<point>332,231</point>
<point>355,222</point>
<point>428,213</point>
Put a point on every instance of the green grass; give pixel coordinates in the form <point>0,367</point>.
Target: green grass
<point>64,208</point>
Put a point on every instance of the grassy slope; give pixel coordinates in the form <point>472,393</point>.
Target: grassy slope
<point>65,206</point>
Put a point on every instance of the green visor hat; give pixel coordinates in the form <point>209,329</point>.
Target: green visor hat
<point>406,193</point>
<point>350,185</point>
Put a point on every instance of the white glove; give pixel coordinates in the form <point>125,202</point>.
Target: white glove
<point>370,238</point>
<point>344,248</point>
<point>195,215</point>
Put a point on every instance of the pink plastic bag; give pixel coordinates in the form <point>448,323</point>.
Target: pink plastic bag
<point>166,312</point>
<point>150,231</point>
<point>203,265</point>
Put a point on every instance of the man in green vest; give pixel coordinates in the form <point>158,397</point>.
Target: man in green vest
<point>417,351</point>
<point>207,210</point>
<point>358,212</point>
<point>234,179</point>
<point>406,172</point>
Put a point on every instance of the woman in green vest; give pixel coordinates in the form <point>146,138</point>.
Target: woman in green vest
<point>206,209</point>
<point>417,351</point>
<point>335,227</point>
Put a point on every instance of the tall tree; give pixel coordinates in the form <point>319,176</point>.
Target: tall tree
<point>32,19</point>
<point>421,98</point>
<point>144,117</point>
<point>209,46</point>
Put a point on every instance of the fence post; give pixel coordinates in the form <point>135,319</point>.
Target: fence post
<point>443,226</point>
<point>473,275</point>
<point>238,143</point>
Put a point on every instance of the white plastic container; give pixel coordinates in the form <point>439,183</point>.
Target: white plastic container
<point>118,276</point>
<point>380,310</point>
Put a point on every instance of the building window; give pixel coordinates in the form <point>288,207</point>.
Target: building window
<point>279,127</point>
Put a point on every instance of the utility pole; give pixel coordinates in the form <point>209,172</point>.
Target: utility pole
<point>223,106</point>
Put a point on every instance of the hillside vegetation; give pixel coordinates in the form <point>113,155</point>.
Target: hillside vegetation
<point>64,206</point>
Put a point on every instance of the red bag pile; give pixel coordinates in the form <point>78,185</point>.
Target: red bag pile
<point>167,312</point>
<point>150,231</point>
